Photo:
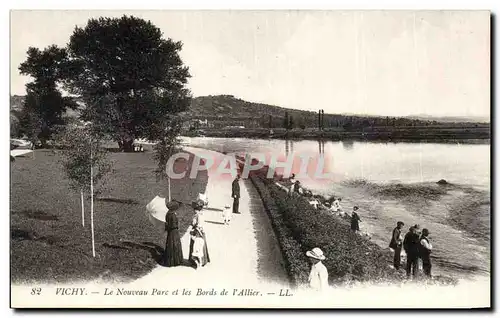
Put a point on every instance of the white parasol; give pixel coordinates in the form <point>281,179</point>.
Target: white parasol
<point>156,210</point>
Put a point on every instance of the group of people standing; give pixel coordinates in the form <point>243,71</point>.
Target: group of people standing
<point>417,247</point>
<point>198,248</point>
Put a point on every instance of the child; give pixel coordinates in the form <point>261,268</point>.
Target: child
<point>198,248</point>
<point>226,214</point>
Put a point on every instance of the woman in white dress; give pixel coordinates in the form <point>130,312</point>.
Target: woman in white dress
<point>198,231</point>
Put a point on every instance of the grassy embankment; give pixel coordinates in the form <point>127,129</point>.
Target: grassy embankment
<point>48,242</point>
<point>299,227</point>
<point>434,133</point>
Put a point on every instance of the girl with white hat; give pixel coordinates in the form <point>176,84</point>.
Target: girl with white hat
<point>226,214</point>
<point>318,277</point>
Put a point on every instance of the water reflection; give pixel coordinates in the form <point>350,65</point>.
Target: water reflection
<point>321,146</point>
<point>467,164</point>
<point>288,147</point>
<point>347,144</point>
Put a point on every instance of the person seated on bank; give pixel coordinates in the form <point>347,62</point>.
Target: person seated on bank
<point>336,208</point>
<point>318,277</point>
<point>315,203</point>
<point>296,189</point>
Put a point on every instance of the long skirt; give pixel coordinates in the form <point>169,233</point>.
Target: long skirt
<point>206,257</point>
<point>354,226</point>
<point>173,249</point>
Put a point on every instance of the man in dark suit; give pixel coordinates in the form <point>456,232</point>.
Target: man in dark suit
<point>411,245</point>
<point>236,194</point>
<point>396,244</point>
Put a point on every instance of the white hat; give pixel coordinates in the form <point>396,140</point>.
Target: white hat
<point>316,253</point>
<point>227,206</point>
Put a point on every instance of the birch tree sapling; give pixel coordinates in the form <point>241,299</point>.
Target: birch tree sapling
<point>82,155</point>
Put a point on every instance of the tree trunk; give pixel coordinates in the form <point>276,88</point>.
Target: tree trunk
<point>92,205</point>
<point>168,180</point>
<point>83,211</point>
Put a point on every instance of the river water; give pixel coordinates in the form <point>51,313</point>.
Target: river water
<point>457,251</point>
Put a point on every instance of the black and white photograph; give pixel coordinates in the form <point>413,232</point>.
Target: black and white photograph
<point>319,159</point>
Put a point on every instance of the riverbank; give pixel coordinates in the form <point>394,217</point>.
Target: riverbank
<point>350,257</point>
<point>457,217</point>
<point>442,134</point>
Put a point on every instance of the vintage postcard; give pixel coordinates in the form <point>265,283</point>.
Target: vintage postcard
<point>250,159</point>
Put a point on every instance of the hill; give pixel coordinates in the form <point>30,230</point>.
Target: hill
<point>224,110</point>
<point>230,106</point>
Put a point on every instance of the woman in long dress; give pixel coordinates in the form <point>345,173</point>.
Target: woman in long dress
<point>173,249</point>
<point>355,219</point>
<point>197,229</point>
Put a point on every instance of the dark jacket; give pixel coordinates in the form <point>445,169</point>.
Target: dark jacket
<point>395,242</point>
<point>236,188</point>
<point>355,221</point>
<point>411,244</point>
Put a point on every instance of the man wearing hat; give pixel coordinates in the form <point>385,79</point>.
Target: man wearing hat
<point>411,245</point>
<point>236,194</point>
<point>318,278</point>
<point>425,252</point>
<point>396,244</point>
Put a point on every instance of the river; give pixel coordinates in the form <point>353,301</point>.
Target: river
<point>399,183</point>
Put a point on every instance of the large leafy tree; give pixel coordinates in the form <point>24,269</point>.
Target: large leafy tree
<point>131,79</point>
<point>44,105</point>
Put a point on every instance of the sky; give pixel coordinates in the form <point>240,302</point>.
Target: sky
<point>393,63</point>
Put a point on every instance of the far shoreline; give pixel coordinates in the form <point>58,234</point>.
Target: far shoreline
<point>464,136</point>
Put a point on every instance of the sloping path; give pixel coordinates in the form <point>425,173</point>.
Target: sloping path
<point>235,261</point>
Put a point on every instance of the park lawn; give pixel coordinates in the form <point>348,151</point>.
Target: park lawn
<point>48,242</point>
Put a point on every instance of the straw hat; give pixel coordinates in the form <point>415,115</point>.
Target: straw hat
<point>316,253</point>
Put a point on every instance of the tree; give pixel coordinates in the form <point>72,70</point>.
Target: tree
<point>14,124</point>
<point>128,75</point>
<point>85,163</point>
<point>270,121</point>
<point>44,105</point>
<point>168,145</point>
<point>286,121</point>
